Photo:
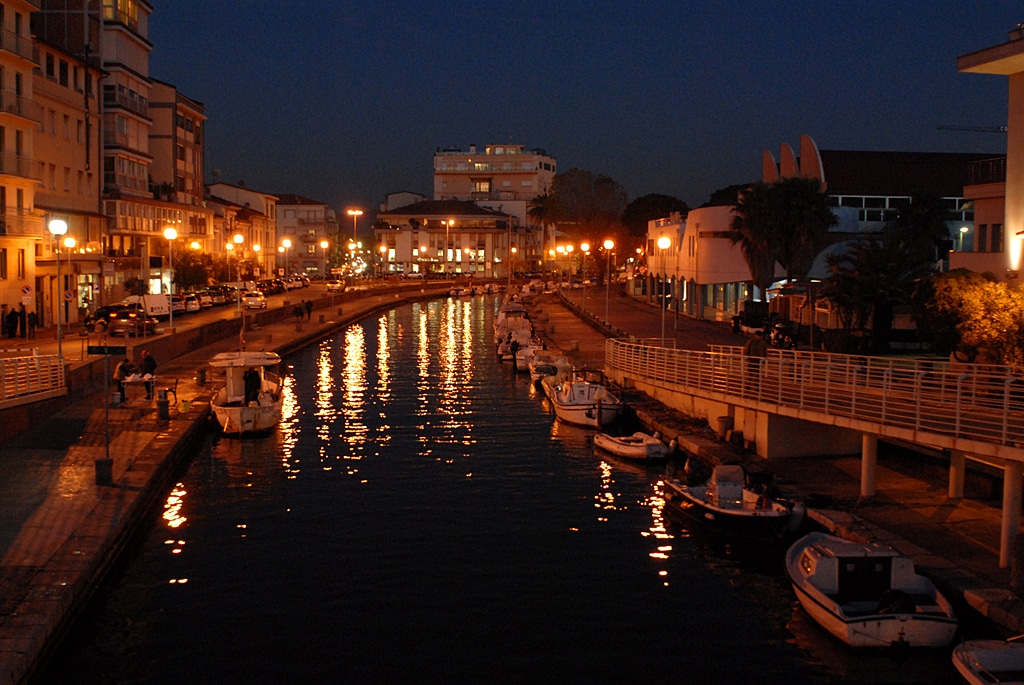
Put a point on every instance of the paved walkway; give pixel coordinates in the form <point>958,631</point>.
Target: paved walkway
<point>59,530</point>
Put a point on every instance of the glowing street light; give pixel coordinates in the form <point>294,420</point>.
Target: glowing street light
<point>324,244</point>
<point>58,227</point>
<point>608,246</point>
<point>383,258</point>
<point>963,232</point>
<point>171,234</point>
<point>287,245</point>
<point>355,214</point>
<point>352,263</point>
<point>663,244</point>
<point>238,239</point>
<point>259,267</point>
<point>585,248</point>
<point>447,226</point>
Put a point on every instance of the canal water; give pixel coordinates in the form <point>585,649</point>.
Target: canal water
<point>420,516</point>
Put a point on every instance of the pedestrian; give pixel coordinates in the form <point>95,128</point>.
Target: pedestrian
<point>33,321</point>
<point>121,373</point>
<point>251,383</point>
<point>755,352</point>
<point>23,320</point>
<point>12,322</point>
<point>308,304</point>
<point>297,312</point>
<point>148,367</point>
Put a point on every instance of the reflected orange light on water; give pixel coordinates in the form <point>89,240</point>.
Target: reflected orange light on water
<point>354,389</point>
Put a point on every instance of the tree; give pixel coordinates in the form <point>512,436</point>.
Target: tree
<point>785,222</point>
<point>591,204</point>
<point>648,208</point>
<point>192,269</point>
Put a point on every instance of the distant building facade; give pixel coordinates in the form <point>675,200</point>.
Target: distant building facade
<point>307,223</point>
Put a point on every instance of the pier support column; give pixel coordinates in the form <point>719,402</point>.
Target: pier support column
<point>1011,510</point>
<point>868,464</point>
<point>957,474</point>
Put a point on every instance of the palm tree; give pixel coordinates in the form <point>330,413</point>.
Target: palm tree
<point>753,228</point>
<point>543,210</point>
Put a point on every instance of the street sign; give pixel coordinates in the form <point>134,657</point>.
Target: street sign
<point>107,349</point>
<point>26,289</point>
<point>95,287</point>
<point>69,295</point>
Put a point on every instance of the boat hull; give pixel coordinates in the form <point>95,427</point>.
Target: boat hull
<point>237,420</point>
<point>899,607</point>
<point>755,518</point>
<point>637,446</point>
<point>981,662</point>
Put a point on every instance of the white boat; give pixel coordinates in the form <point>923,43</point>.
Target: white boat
<point>983,662</point>
<point>636,446</point>
<point>260,411</point>
<point>868,595</point>
<point>583,402</point>
<point>546,364</point>
<point>512,318</point>
<point>726,503</point>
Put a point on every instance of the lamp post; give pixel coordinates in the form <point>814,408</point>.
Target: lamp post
<point>355,214</point>
<point>608,245</point>
<point>287,245</point>
<point>69,243</point>
<point>585,248</point>
<point>447,226</point>
<point>383,258</point>
<point>171,234</point>
<point>324,245</point>
<point>58,227</point>
<point>511,264</point>
<point>663,243</point>
<point>238,239</point>
<point>351,264</point>
<point>259,267</point>
<point>963,232</point>
<point>560,249</point>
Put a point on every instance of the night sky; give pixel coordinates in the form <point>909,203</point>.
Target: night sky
<point>345,102</point>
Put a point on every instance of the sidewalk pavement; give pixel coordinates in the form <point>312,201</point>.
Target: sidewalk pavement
<point>60,531</point>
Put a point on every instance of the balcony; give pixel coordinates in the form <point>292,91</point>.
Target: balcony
<point>13,223</point>
<point>11,103</point>
<point>15,44</point>
<point>15,165</point>
<point>986,171</point>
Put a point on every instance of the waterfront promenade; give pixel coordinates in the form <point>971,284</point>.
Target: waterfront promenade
<point>60,531</point>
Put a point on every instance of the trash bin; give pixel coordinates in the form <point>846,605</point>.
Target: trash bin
<point>737,322</point>
<point>161,394</point>
<point>104,472</point>
<point>725,424</point>
<point>186,406</point>
<point>201,376</point>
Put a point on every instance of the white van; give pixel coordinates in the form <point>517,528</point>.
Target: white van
<point>158,305</point>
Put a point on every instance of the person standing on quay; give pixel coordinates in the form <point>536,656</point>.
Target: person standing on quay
<point>308,304</point>
<point>148,367</point>
<point>33,321</point>
<point>755,352</point>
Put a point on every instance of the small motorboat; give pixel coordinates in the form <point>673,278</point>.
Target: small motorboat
<point>726,503</point>
<point>251,399</point>
<point>584,402</point>
<point>868,595</point>
<point>983,662</point>
<point>545,364</point>
<point>639,445</point>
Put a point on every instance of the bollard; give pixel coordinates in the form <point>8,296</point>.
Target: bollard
<point>339,311</point>
<point>201,376</point>
<point>163,408</point>
<point>322,318</point>
<point>104,471</point>
<point>298,328</point>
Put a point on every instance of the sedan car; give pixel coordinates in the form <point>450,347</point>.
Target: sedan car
<point>101,317</point>
<point>192,304</point>
<point>178,304</point>
<point>131,320</point>
<point>254,299</point>
<point>334,286</point>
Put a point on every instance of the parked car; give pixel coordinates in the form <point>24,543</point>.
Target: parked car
<point>335,286</point>
<point>178,304</point>
<point>293,283</point>
<point>205,299</point>
<point>99,319</point>
<point>192,304</point>
<point>216,295</point>
<point>132,320</point>
<point>254,299</point>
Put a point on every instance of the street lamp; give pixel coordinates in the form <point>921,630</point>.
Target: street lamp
<point>383,258</point>
<point>608,245</point>
<point>287,245</point>
<point>324,245</point>
<point>355,214</point>
<point>447,225</point>
<point>511,264</point>
<point>259,267</point>
<point>963,232</point>
<point>585,248</point>
<point>560,249</point>
<point>663,243</point>
<point>58,227</point>
<point>69,243</point>
<point>171,234</point>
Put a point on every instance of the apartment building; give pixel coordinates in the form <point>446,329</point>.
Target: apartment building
<point>504,179</point>
<point>306,224</point>
<point>21,229</point>
<point>259,242</point>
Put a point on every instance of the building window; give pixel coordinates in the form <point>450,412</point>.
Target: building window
<point>21,263</point>
<point>3,263</point>
<point>482,186</point>
<point>981,239</point>
<point>996,238</point>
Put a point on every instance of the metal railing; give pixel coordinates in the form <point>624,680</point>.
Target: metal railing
<point>977,402</point>
<point>24,379</point>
